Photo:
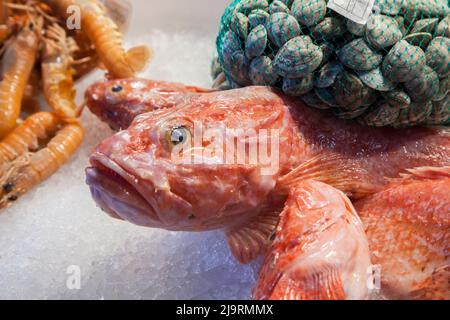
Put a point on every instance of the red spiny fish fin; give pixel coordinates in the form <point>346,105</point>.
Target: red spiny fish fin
<point>138,57</point>
<point>325,283</point>
<point>331,169</point>
<point>250,240</point>
<point>426,173</point>
<point>436,287</point>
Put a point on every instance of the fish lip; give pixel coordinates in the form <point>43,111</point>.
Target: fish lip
<point>99,160</point>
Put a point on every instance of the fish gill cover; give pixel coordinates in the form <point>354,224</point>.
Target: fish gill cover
<point>392,71</point>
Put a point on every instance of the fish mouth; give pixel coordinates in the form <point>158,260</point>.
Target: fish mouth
<point>113,190</point>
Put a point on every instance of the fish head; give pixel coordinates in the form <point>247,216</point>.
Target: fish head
<point>115,100</point>
<point>175,168</point>
<point>118,101</point>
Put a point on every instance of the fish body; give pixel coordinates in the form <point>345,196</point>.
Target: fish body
<point>178,167</point>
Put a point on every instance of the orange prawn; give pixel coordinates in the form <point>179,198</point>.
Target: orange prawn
<point>57,72</point>
<point>33,166</point>
<point>17,65</point>
<point>104,33</point>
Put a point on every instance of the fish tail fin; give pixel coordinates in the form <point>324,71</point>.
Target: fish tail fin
<point>424,173</point>
<point>138,57</point>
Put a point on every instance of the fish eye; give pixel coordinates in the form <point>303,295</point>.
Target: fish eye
<point>179,135</point>
<point>116,88</point>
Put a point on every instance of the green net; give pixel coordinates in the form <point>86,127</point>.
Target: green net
<point>392,71</point>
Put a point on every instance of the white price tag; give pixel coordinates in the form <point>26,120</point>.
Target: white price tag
<point>358,11</point>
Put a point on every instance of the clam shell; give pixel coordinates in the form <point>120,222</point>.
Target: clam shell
<point>258,17</point>
<point>425,25</point>
<point>246,6</point>
<point>374,79</point>
<point>401,24</point>
<point>261,71</point>
<point>240,69</point>
<point>403,62</point>
<point>282,27</point>
<point>368,96</point>
<point>424,86</point>
<point>397,98</point>
<point>309,12</point>
<point>420,39</point>
<point>440,115</point>
<point>278,6</point>
<point>298,58</point>
<point>287,2</point>
<point>230,45</point>
<point>256,42</point>
<point>438,55</point>
<point>417,113</point>
<point>326,76</point>
<point>389,7</point>
<point>416,9</point>
<point>329,28</point>
<point>444,89</point>
<point>357,55</point>
<point>239,24</point>
<point>356,28</point>
<point>328,50</point>
<point>327,96</point>
<point>298,87</point>
<point>381,115</point>
<point>347,90</point>
<point>382,31</point>
<point>216,69</point>
<point>443,28</point>
<point>350,114</point>
<point>313,101</point>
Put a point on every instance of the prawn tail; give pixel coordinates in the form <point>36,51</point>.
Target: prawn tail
<point>138,57</point>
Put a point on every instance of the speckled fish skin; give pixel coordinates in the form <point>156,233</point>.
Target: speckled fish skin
<point>419,225</point>
<point>319,237</point>
<point>132,175</point>
<point>118,108</point>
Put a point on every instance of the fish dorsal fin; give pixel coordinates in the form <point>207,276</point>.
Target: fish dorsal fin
<point>423,173</point>
<point>252,238</point>
<point>334,170</point>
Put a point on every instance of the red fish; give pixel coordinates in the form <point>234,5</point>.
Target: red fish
<point>135,176</point>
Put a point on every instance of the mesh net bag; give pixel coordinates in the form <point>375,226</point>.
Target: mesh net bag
<point>392,71</point>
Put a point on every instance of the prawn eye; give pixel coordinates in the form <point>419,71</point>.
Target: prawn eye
<point>116,88</point>
<point>179,135</point>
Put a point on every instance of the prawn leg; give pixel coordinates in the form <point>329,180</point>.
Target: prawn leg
<point>320,250</point>
<point>57,72</point>
<point>408,227</point>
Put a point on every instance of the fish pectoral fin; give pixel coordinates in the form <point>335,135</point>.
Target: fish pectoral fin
<point>332,169</point>
<point>323,283</point>
<point>251,239</point>
<point>319,251</point>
